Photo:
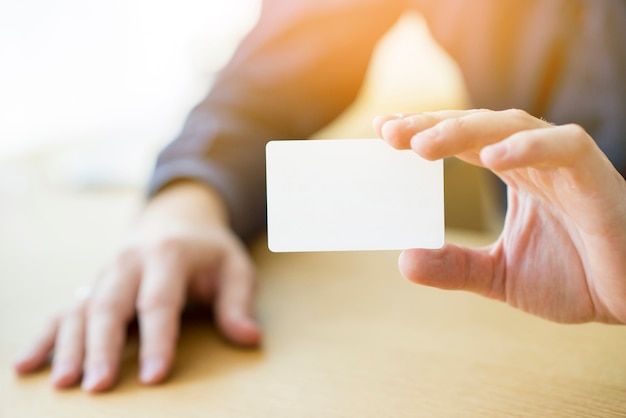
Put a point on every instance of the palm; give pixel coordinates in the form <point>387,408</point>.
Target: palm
<point>538,255</point>
<point>542,258</point>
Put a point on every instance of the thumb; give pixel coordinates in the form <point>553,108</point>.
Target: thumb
<point>453,268</point>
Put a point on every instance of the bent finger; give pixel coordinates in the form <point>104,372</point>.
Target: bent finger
<point>234,304</point>
<point>554,146</point>
<point>564,159</point>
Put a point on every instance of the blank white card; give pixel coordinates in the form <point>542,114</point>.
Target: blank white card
<point>351,194</point>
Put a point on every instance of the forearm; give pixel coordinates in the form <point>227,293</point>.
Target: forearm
<point>296,71</point>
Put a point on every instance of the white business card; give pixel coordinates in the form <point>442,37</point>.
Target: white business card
<point>351,194</point>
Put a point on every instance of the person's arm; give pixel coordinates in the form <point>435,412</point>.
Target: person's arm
<point>301,65</point>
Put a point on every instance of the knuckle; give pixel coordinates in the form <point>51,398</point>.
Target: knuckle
<point>98,353</point>
<point>576,130</point>
<point>165,248</point>
<point>521,117</point>
<point>452,125</point>
<point>517,114</point>
<point>583,142</point>
<point>427,119</point>
<point>101,305</point>
<point>77,310</point>
<point>125,260</point>
<point>156,301</point>
<point>244,270</point>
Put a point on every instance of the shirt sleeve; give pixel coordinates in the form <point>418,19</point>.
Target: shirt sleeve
<point>298,69</point>
<point>561,60</point>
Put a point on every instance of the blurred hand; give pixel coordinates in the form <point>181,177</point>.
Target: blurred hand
<point>180,249</point>
<point>562,252</point>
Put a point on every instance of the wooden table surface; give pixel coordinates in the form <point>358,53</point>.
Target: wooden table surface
<point>345,334</point>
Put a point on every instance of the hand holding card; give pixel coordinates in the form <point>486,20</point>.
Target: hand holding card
<point>353,194</point>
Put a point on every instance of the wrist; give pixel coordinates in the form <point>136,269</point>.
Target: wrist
<point>195,201</point>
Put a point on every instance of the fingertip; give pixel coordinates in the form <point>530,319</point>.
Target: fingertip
<point>64,376</point>
<point>153,371</point>
<point>28,363</point>
<point>393,132</point>
<point>22,366</point>
<point>436,268</point>
<point>234,305</point>
<point>249,334</point>
<point>241,329</point>
<point>379,121</point>
<point>426,144</point>
<point>408,264</point>
<point>37,354</point>
<point>98,379</point>
<point>452,267</point>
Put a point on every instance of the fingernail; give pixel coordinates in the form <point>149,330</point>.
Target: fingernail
<point>94,376</point>
<point>390,127</point>
<point>151,370</point>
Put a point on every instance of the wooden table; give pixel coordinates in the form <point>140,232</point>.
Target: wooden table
<point>345,335</point>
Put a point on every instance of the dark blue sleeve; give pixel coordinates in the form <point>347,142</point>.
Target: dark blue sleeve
<point>297,70</point>
<point>562,60</point>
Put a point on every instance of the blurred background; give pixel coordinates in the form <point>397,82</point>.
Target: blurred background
<point>99,80</point>
<point>90,90</point>
<point>122,74</point>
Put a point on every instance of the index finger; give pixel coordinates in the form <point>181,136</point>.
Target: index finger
<point>461,134</point>
<point>398,129</point>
